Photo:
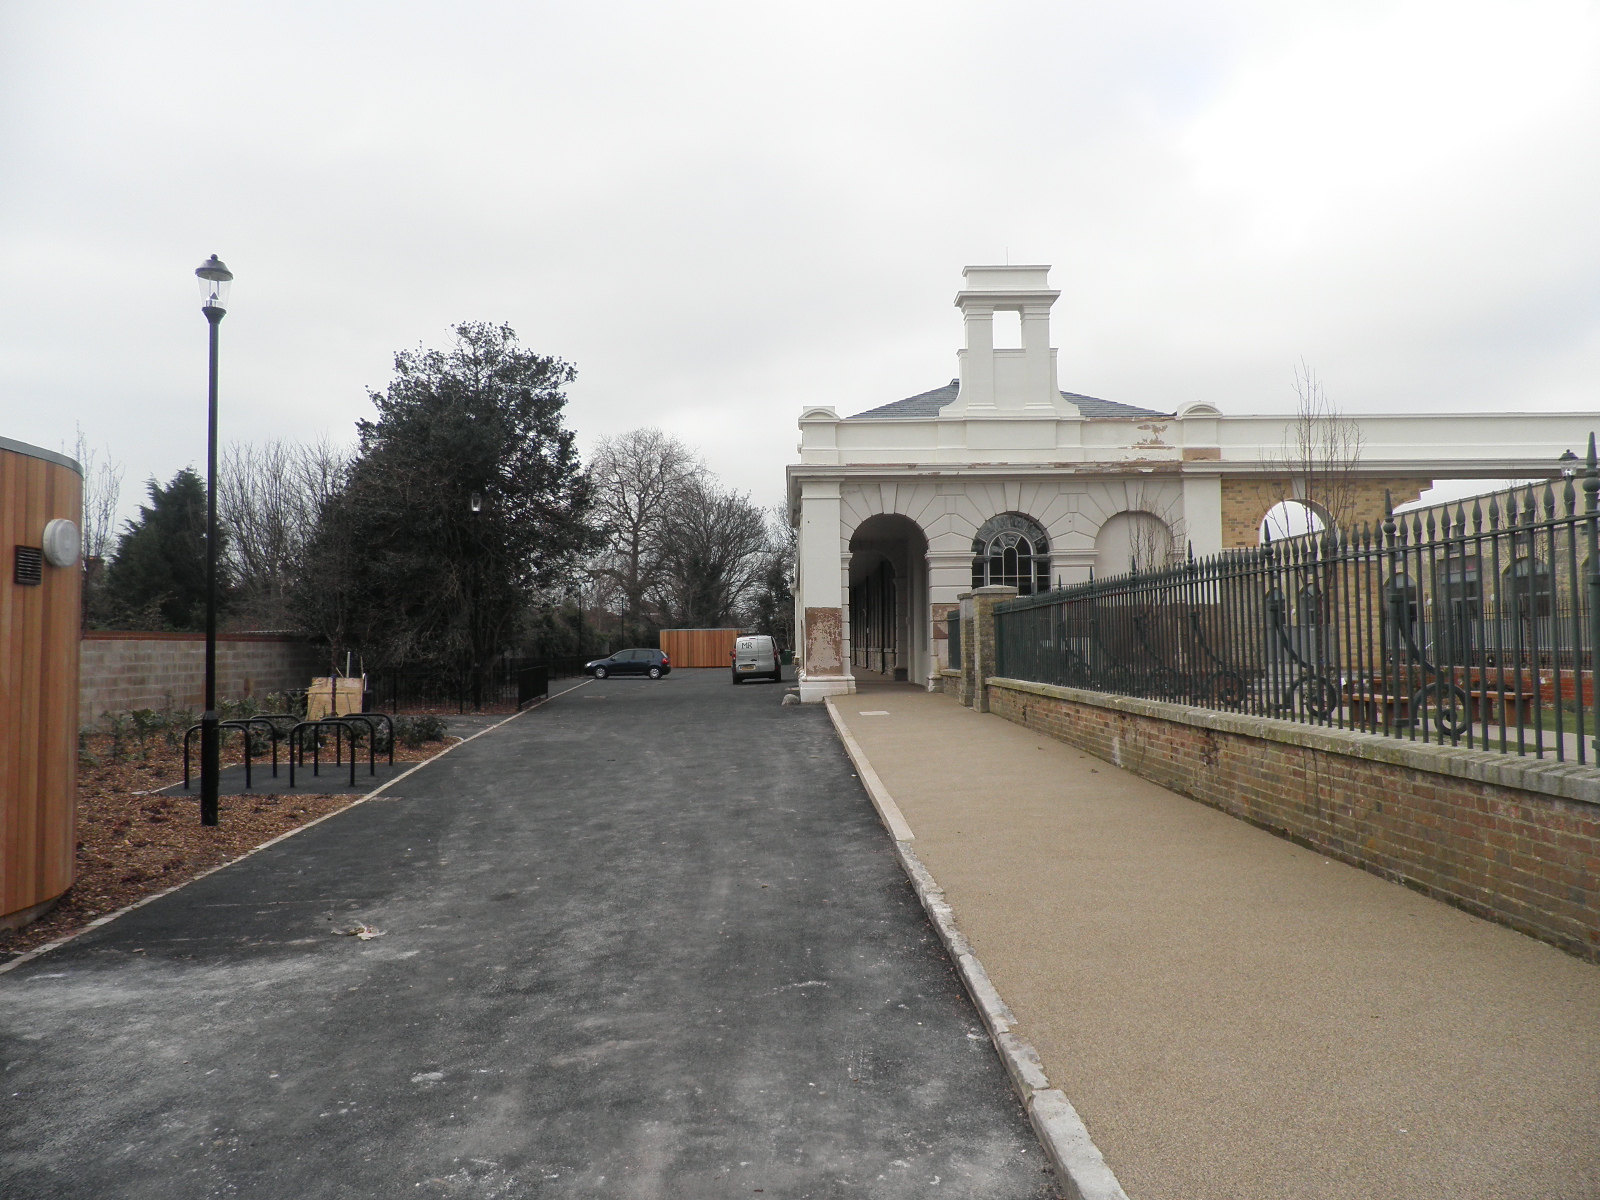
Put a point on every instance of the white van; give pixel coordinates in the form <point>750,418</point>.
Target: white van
<point>756,658</point>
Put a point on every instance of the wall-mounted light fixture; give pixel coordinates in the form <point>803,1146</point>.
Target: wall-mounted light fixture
<point>62,543</point>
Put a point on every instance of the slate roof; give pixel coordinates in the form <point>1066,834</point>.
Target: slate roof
<point>927,404</point>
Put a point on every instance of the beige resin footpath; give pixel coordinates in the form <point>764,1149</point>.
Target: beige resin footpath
<point>1233,1015</point>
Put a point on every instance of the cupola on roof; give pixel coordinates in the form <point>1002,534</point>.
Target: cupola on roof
<point>1006,382</point>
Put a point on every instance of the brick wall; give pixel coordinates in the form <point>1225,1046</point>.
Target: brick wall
<point>1513,840</point>
<point>122,671</point>
<point>1246,501</point>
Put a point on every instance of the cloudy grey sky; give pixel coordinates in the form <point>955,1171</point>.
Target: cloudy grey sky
<point>723,211</point>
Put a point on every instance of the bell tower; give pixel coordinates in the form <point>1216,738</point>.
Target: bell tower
<point>1007,383</point>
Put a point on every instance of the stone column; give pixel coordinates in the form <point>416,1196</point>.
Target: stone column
<point>977,642</point>
<point>822,633</point>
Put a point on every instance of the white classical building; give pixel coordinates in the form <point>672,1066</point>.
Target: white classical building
<point>1000,477</point>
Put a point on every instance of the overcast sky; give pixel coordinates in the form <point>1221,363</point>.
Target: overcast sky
<point>720,212</point>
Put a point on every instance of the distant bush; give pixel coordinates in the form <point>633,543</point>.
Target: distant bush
<point>419,730</point>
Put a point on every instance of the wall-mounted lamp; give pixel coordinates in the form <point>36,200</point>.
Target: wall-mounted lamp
<point>62,543</point>
<point>476,502</point>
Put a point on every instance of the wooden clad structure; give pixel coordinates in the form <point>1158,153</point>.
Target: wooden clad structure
<point>39,621</point>
<point>699,647</point>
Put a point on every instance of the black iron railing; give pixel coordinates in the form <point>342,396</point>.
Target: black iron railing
<point>1473,624</point>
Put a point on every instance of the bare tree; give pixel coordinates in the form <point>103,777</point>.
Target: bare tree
<point>715,550</point>
<point>102,490</point>
<point>1320,460</point>
<point>771,606</point>
<point>639,479</point>
<point>1159,540</point>
<point>269,495</point>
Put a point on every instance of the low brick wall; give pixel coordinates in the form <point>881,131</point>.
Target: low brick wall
<point>1514,840</point>
<point>122,671</point>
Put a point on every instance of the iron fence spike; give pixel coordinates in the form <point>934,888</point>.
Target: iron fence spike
<point>1591,482</point>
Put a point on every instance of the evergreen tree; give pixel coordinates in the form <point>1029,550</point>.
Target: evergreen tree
<point>158,578</point>
<point>403,568</point>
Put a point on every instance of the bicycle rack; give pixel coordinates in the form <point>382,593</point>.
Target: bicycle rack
<point>243,724</point>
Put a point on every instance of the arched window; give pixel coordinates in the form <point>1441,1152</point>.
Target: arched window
<point>1011,550</point>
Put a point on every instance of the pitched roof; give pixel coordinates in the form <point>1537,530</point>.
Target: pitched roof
<point>927,404</point>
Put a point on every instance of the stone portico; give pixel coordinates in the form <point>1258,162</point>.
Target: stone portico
<point>1000,479</point>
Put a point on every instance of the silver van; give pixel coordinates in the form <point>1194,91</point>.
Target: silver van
<point>756,658</point>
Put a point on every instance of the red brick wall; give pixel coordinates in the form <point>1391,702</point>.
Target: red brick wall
<point>1525,856</point>
<point>122,671</point>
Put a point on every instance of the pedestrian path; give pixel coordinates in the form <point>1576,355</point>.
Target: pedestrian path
<point>647,941</point>
<point>1231,1014</point>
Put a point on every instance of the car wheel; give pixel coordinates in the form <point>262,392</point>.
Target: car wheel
<point>599,672</point>
<point>654,672</point>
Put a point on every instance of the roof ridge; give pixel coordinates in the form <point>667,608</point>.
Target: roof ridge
<point>927,404</point>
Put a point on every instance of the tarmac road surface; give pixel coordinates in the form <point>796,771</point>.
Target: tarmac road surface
<point>648,940</point>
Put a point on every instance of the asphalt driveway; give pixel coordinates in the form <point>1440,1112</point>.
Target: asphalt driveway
<point>648,940</point>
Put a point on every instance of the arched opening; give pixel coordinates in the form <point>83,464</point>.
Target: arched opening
<point>1290,518</point>
<point>1007,330</point>
<point>1132,541</point>
<point>1012,551</point>
<point>889,635</point>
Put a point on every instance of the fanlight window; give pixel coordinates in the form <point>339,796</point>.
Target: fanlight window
<point>1012,551</point>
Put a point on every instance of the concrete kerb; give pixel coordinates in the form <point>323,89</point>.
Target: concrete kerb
<point>39,951</point>
<point>888,810</point>
<point>1061,1130</point>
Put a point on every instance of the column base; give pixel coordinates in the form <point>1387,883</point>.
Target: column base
<point>814,689</point>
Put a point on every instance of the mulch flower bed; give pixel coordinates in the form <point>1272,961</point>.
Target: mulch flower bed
<point>132,844</point>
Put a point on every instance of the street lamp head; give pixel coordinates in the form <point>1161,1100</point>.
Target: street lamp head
<point>214,278</point>
<point>1569,464</point>
<point>476,502</point>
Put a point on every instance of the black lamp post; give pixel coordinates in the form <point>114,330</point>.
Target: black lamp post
<point>214,279</point>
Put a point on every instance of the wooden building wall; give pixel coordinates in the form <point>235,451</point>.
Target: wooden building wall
<point>38,685</point>
<point>700,647</point>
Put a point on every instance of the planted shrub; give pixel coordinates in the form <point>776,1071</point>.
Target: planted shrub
<point>419,730</point>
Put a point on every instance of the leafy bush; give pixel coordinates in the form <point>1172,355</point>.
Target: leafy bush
<point>177,724</point>
<point>419,730</point>
<point>293,703</point>
<point>117,726</point>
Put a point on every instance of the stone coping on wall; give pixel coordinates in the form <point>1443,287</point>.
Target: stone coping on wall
<point>1566,780</point>
<point>134,635</point>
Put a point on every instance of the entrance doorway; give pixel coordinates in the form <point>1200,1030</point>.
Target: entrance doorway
<point>889,634</point>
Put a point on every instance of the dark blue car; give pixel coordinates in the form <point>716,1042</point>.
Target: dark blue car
<point>652,663</point>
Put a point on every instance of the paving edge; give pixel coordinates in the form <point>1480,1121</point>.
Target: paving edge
<point>107,918</point>
<point>1061,1130</point>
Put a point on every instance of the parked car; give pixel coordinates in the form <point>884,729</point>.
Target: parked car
<point>755,658</point>
<point>654,663</point>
